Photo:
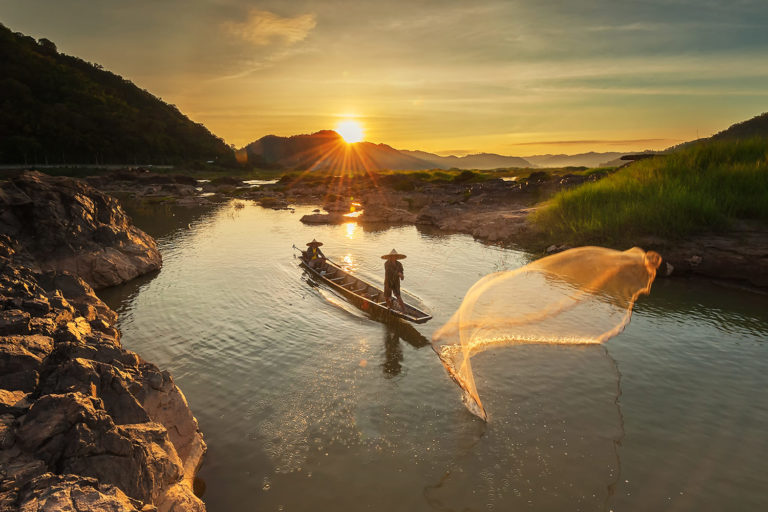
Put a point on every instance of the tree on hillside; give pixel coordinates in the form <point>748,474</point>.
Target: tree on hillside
<point>59,109</point>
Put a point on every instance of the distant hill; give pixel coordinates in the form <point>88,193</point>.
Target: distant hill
<point>326,149</point>
<point>480,161</point>
<point>755,127</point>
<point>590,159</point>
<point>57,109</point>
<point>494,161</point>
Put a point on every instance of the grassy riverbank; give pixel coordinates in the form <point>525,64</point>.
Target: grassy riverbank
<point>708,186</point>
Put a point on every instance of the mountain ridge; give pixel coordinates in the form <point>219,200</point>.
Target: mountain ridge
<point>481,161</point>
<point>323,150</point>
<point>326,149</point>
<point>59,109</point>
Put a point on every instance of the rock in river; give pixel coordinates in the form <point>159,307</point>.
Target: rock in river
<point>325,218</point>
<point>85,425</point>
<point>63,224</point>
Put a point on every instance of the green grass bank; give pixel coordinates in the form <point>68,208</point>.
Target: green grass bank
<point>707,186</point>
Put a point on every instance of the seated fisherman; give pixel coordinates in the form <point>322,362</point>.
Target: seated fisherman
<point>393,274</point>
<point>313,255</point>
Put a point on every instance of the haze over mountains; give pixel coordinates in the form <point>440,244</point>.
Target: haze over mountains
<point>476,161</point>
<point>327,149</point>
<point>484,161</point>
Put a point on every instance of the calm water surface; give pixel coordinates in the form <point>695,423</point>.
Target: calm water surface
<point>306,404</point>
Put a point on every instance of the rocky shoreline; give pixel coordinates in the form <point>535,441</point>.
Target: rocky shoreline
<point>84,424</point>
<point>499,212</point>
<point>64,225</point>
<point>492,211</point>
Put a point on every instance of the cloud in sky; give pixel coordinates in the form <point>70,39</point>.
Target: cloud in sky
<point>264,27</point>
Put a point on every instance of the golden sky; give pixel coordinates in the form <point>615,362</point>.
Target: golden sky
<point>516,77</point>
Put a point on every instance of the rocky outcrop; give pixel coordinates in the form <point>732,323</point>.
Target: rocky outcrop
<point>739,256</point>
<point>84,424</point>
<point>380,214</point>
<point>503,223</point>
<point>57,492</point>
<point>63,224</point>
<point>145,185</point>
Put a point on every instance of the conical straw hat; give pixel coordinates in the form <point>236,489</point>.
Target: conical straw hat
<point>315,242</point>
<point>393,254</point>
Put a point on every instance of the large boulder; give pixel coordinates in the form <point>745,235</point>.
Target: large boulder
<point>63,224</point>
<point>72,493</point>
<point>84,424</point>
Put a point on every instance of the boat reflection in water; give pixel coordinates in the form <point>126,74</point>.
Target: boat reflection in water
<point>393,351</point>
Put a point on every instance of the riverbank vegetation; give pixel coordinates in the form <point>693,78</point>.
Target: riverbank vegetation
<point>510,173</point>
<point>708,186</point>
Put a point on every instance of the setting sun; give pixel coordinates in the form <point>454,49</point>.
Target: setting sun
<point>350,131</point>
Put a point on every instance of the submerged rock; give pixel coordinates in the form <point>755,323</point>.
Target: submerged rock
<point>65,225</point>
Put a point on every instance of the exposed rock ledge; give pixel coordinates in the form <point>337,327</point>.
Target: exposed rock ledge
<point>84,424</point>
<point>65,225</point>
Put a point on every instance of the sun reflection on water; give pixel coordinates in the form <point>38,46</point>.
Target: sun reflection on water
<point>351,228</point>
<point>348,263</point>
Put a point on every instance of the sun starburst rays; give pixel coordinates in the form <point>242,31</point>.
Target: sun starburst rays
<point>342,163</point>
<point>350,130</point>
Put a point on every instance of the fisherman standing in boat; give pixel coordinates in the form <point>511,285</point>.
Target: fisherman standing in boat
<point>313,255</point>
<point>393,274</point>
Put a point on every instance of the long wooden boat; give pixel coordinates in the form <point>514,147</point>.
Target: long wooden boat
<point>362,294</point>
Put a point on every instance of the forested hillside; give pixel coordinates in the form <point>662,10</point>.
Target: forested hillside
<point>58,109</point>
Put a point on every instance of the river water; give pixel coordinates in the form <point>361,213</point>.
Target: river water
<point>306,404</point>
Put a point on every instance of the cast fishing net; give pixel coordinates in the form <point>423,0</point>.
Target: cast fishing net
<point>583,295</point>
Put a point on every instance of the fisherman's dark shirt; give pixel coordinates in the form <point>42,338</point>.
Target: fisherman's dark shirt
<point>391,271</point>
